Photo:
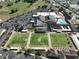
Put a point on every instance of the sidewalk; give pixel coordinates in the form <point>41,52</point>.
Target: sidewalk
<point>29,39</point>
<point>49,40</point>
<point>7,43</point>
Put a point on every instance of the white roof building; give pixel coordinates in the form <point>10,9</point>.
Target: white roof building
<point>2,0</point>
<point>75,40</point>
<point>59,15</point>
<point>75,6</point>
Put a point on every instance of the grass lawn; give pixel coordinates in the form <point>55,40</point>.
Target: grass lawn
<point>39,40</point>
<point>59,40</point>
<point>22,8</point>
<point>19,39</point>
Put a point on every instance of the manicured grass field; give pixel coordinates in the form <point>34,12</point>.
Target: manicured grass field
<point>19,39</point>
<point>59,40</point>
<point>22,7</point>
<point>39,40</point>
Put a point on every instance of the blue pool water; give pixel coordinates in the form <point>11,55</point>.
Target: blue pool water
<point>61,21</point>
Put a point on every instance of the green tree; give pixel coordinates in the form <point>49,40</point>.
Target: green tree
<point>13,11</point>
<point>30,1</point>
<point>61,9</point>
<point>38,53</point>
<point>1,6</point>
<point>44,6</point>
<point>78,2</point>
<point>17,1</point>
<point>9,4</point>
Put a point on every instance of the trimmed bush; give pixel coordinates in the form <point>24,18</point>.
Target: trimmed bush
<point>1,6</point>
<point>13,11</point>
<point>44,6</point>
<point>9,4</point>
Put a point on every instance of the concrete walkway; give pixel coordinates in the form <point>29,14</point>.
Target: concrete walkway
<point>29,39</point>
<point>49,40</point>
<point>7,43</point>
<point>40,48</point>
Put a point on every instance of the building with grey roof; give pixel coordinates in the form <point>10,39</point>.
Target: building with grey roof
<point>39,23</point>
<point>73,1</point>
<point>59,1</point>
<point>22,56</point>
<point>55,20</point>
<point>42,18</point>
<point>62,54</point>
<point>40,26</point>
<point>64,1</point>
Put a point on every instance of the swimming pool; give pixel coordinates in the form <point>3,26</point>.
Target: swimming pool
<point>61,21</point>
